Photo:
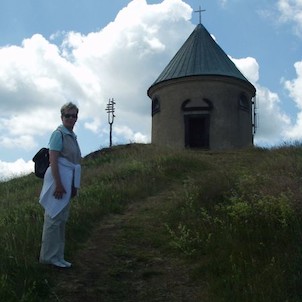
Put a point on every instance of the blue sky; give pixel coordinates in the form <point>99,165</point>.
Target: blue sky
<point>88,51</point>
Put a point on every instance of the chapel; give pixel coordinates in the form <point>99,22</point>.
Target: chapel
<point>201,100</point>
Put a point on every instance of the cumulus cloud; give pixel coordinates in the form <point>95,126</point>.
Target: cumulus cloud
<point>272,124</point>
<point>15,169</point>
<point>121,61</point>
<point>130,135</point>
<point>294,87</point>
<point>249,68</point>
<point>38,76</point>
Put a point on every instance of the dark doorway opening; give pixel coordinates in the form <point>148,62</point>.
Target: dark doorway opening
<point>197,131</point>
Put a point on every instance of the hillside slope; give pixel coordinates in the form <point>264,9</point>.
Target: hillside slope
<point>155,224</point>
<point>118,263</point>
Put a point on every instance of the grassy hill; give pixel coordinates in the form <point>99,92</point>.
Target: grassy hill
<point>233,217</point>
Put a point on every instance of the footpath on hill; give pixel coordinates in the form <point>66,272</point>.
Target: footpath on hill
<point>125,261</point>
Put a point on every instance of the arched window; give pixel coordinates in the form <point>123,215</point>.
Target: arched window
<point>244,102</point>
<point>155,106</point>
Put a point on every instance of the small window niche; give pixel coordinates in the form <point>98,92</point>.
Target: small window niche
<point>155,106</point>
<point>244,102</point>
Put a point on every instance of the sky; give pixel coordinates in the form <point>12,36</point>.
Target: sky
<point>91,51</point>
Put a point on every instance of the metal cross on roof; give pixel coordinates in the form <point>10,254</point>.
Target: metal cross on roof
<point>199,11</point>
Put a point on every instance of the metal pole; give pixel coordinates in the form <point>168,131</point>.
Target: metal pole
<point>110,110</point>
<point>110,139</point>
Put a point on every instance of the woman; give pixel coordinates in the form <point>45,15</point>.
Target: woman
<point>61,181</point>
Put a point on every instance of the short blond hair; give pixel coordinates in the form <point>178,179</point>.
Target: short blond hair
<point>69,106</point>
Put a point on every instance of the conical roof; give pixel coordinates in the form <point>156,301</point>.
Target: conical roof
<point>200,55</point>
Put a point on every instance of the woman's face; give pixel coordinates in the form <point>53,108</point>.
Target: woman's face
<point>69,118</point>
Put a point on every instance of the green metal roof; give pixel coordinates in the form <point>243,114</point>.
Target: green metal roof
<point>200,55</point>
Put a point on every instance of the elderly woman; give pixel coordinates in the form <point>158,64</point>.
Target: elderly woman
<point>61,181</point>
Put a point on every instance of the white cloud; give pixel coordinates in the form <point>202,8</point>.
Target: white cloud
<point>249,68</point>
<point>131,136</point>
<point>294,87</point>
<point>23,142</point>
<point>93,126</point>
<point>126,56</point>
<point>121,61</point>
<point>272,124</point>
<point>291,11</point>
<point>15,169</point>
<point>37,77</point>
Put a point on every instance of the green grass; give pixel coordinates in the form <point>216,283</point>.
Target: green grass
<point>242,223</point>
<point>235,215</point>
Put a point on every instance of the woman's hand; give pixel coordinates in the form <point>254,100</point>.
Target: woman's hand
<point>59,191</point>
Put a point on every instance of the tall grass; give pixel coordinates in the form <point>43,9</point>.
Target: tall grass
<point>236,216</point>
<point>242,224</point>
<point>20,226</point>
<point>111,180</point>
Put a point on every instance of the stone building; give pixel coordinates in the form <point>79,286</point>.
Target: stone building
<point>201,100</point>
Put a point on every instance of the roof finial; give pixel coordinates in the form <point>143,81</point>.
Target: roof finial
<point>199,11</point>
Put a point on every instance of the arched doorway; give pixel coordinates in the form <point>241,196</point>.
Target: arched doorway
<point>197,128</point>
<point>197,123</point>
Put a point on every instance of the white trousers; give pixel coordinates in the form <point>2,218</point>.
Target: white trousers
<point>53,237</point>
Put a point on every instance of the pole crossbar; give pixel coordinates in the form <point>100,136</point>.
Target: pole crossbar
<point>110,110</point>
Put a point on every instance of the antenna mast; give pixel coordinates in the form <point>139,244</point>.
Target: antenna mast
<point>110,110</point>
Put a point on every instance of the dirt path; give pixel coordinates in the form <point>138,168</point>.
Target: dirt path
<point>118,265</point>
